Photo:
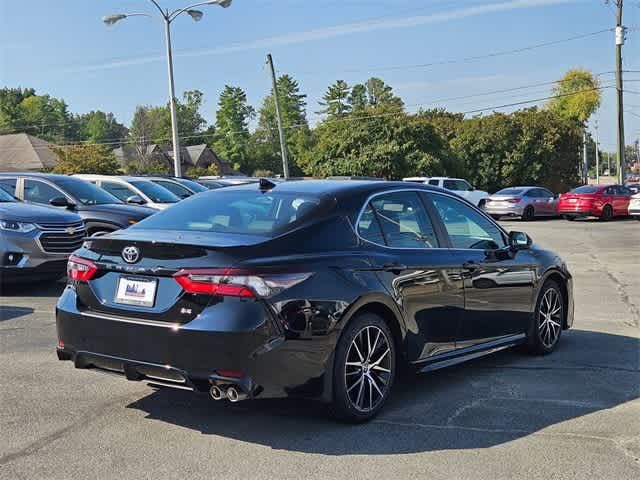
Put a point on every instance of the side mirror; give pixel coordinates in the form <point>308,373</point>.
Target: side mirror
<point>61,202</point>
<point>136,200</point>
<point>519,241</point>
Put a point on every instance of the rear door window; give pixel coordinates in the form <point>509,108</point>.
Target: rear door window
<point>9,185</point>
<point>369,227</point>
<point>404,220</point>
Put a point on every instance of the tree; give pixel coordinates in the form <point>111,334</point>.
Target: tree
<point>231,137</point>
<point>144,130</point>
<point>529,146</point>
<point>379,93</point>
<point>358,97</point>
<point>374,144</point>
<point>99,127</point>
<point>195,172</point>
<point>43,116</point>
<point>265,141</point>
<point>577,95</point>
<point>336,100</point>
<point>85,159</point>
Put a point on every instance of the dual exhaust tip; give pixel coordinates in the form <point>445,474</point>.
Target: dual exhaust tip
<point>232,394</point>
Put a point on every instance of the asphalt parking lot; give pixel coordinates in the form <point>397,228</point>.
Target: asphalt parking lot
<point>574,414</point>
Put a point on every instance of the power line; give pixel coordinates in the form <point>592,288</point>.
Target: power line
<point>464,59</point>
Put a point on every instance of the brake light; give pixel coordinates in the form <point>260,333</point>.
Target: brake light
<point>236,283</point>
<point>513,200</point>
<point>80,269</point>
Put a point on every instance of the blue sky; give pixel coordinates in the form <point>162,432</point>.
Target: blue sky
<point>62,48</point>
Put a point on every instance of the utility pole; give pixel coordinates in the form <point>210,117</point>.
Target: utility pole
<point>283,145</point>
<point>585,162</point>
<point>597,155</point>
<point>620,33</point>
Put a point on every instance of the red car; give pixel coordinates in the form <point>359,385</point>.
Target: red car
<point>602,201</point>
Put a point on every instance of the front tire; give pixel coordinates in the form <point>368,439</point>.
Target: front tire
<point>546,327</point>
<point>364,369</point>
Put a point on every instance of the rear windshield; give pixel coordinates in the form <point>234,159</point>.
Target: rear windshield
<point>241,212</point>
<point>585,189</point>
<point>509,191</point>
<point>155,192</point>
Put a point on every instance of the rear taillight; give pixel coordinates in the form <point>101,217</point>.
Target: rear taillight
<point>236,283</point>
<point>513,200</point>
<point>80,269</point>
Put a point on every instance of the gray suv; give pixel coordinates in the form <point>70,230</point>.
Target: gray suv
<point>35,241</point>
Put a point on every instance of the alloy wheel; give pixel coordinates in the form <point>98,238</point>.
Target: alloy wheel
<point>550,314</point>
<point>367,370</point>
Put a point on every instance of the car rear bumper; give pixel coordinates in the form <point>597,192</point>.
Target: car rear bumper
<point>507,211</point>
<point>634,211</point>
<point>192,355</point>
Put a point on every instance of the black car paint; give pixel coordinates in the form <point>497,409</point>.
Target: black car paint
<point>104,217</point>
<point>441,308</point>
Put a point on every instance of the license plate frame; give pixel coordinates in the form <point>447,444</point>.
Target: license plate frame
<point>128,291</point>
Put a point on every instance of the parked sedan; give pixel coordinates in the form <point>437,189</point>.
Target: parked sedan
<point>314,289</point>
<point>101,211</point>
<point>524,202</point>
<point>35,241</point>
<point>602,201</point>
<point>134,190</point>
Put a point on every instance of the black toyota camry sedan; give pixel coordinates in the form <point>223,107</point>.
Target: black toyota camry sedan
<point>315,289</point>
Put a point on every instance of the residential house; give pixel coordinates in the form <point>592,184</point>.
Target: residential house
<point>21,152</point>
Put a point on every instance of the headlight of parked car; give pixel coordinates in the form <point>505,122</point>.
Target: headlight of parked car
<point>13,226</point>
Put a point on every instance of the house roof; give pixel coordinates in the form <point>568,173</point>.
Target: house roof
<point>21,151</point>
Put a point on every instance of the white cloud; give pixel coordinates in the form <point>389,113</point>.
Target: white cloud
<point>297,38</point>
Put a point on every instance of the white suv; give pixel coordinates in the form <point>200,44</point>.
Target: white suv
<point>456,185</point>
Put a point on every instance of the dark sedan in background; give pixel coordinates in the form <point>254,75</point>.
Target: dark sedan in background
<point>315,289</point>
<point>102,212</point>
<point>35,241</point>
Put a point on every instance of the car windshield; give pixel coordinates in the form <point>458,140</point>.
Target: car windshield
<point>194,186</point>
<point>6,197</point>
<point>585,189</point>
<point>86,192</point>
<point>241,212</point>
<point>176,188</point>
<point>155,192</point>
<point>509,191</point>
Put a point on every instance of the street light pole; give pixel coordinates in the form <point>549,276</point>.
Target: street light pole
<point>167,17</point>
<point>177,164</point>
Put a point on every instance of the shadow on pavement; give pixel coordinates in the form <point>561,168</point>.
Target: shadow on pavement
<point>48,288</point>
<point>480,404</point>
<point>9,312</point>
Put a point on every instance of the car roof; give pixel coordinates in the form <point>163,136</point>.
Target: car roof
<point>338,187</point>
<point>46,176</point>
<point>124,178</point>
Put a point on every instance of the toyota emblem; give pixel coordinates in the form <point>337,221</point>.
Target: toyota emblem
<point>131,254</point>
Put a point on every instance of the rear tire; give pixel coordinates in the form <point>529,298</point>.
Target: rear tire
<point>364,369</point>
<point>481,204</point>
<point>568,218</point>
<point>607,213</point>
<point>528,214</point>
<point>547,324</point>
<point>496,217</point>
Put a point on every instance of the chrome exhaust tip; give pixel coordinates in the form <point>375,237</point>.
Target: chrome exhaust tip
<point>234,395</point>
<point>216,393</point>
